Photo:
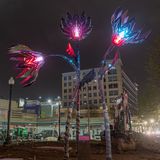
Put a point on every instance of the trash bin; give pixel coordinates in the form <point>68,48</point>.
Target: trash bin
<point>84,148</point>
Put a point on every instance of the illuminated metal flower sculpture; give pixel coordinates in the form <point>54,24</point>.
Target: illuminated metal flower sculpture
<point>28,61</point>
<point>123,33</point>
<point>76,27</point>
<point>123,29</point>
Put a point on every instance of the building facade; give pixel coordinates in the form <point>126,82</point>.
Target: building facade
<point>114,82</point>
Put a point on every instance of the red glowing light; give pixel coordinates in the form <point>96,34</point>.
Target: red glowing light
<point>117,40</point>
<point>70,50</point>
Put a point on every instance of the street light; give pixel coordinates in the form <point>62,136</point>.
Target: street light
<point>11,82</point>
<point>39,97</point>
<point>152,121</point>
<point>49,101</point>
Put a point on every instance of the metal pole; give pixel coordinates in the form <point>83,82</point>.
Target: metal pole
<point>78,122</point>
<point>8,138</point>
<point>102,72</point>
<point>68,126</point>
<point>59,122</point>
<point>88,112</point>
<point>78,100</point>
<point>106,121</point>
<point>89,120</point>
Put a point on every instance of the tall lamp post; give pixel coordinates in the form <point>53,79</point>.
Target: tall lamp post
<point>11,82</point>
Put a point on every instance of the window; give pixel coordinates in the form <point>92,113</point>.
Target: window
<point>112,78</point>
<point>113,93</point>
<point>69,77</point>
<point>65,78</point>
<point>65,104</point>
<point>100,100</point>
<point>95,101</point>
<point>70,83</point>
<point>85,102</point>
<point>70,96</point>
<point>65,90</point>
<point>89,88</point>
<point>65,97</point>
<point>112,71</point>
<point>94,87</point>
<point>70,90</point>
<point>94,94</point>
<point>112,100</point>
<point>113,85</point>
<point>104,86</point>
<point>90,101</point>
<point>84,95</point>
<point>104,80</point>
<point>65,84</point>
<point>84,88</point>
<point>89,94</point>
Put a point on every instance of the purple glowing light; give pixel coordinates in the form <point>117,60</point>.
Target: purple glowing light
<point>76,32</point>
<point>76,27</point>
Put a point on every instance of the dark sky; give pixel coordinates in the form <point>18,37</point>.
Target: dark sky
<point>36,23</point>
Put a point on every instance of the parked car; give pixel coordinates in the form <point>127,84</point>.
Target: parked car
<point>51,139</point>
<point>46,133</point>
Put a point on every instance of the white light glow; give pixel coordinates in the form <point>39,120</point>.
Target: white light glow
<point>152,120</point>
<point>145,122</point>
<point>76,32</point>
<point>122,34</point>
<point>40,58</point>
<point>49,100</point>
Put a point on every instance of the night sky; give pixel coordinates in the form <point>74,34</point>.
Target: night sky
<point>35,23</point>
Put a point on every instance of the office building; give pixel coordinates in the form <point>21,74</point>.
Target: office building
<point>114,82</point>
